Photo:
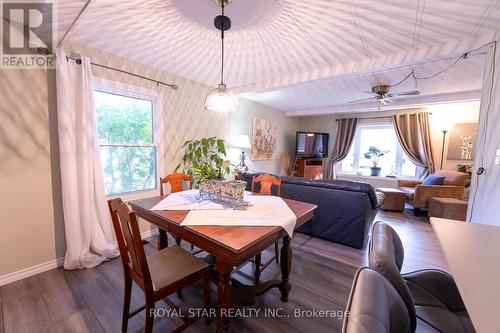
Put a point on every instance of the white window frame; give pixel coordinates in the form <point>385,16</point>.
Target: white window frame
<point>357,147</point>
<point>118,88</point>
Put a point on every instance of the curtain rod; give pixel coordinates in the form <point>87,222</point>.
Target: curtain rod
<point>379,117</point>
<point>79,62</point>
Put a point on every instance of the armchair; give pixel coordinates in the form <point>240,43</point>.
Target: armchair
<point>418,195</point>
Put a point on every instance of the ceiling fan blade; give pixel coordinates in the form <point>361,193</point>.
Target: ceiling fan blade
<point>386,101</point>
<point>361,100</point>
<point>405,93</point>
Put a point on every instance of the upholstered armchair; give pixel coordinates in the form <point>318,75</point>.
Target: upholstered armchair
<point>418,195</point>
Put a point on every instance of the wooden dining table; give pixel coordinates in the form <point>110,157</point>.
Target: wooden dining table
<point>231,246</point>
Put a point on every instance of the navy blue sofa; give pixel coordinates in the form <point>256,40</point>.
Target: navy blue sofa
<point>345,209</point>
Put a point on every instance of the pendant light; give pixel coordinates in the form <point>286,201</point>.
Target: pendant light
<point>222,99</point>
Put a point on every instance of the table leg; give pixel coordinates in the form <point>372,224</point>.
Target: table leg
<point>286,264</point>
<point>162,239</point>
<point>224,293</point>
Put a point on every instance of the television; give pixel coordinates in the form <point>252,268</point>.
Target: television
<point>311,145</point>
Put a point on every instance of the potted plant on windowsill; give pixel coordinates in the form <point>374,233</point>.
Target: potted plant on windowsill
<point>204,161</point>
<point>374,154</point>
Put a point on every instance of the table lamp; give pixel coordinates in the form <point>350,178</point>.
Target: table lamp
<point>243,142</point>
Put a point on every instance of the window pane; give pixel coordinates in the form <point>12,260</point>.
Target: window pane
<point>408,168</point>
<point>347,164</point>
<point>128,169</point>
<point>384,139</point>
<point>122,119</point>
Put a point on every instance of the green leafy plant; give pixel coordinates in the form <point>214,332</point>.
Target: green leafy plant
<point>204,159</point>
<point>466,168</point>
<point>374,154</point>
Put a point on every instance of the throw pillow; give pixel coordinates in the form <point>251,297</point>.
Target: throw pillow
<point>433,180</point>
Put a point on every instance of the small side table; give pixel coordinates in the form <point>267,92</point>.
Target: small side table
<point>448,208</point>
<point>394,199</point>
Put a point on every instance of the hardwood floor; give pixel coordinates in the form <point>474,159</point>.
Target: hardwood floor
<point>322,272</point>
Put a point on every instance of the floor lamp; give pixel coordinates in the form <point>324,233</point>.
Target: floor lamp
<point>445,129</point>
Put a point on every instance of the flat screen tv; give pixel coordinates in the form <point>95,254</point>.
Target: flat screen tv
<point>311,145</point>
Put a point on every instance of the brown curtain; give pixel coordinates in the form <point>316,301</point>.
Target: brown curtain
<point>346,130</point>
<point>413,134</point>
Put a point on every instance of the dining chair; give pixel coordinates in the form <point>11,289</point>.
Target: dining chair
<point>159,274</point>
<point>176,181</point>
<point>264,184</point>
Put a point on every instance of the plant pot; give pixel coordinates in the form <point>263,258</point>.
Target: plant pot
<point>375,171</point>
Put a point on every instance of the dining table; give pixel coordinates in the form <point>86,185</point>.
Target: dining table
<point>231,246</point>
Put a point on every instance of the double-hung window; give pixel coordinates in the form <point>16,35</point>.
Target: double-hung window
<point>382,136</point>
<point>126,131</point>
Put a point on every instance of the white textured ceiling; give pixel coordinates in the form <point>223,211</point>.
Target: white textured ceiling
<point>275,44</point>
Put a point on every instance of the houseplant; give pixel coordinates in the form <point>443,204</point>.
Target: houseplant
<point>205,159</point>
<point>374,154</point>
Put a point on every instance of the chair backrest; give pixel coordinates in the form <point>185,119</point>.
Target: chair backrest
<point>452,177</point>
<point>129,241</point>
<point>386,255</point>
<point>266,183</point>
<point>176,180</point>
<point>375,306</point>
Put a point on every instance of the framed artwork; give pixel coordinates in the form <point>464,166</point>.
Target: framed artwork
<point>263,139</point>
<point>462,141</point>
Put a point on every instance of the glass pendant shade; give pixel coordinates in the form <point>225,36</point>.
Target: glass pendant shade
<point>222,99</point>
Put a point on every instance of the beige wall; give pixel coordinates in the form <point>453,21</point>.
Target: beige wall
<point>32,229</point>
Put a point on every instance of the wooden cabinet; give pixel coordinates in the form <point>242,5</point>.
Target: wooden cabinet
<point>312,169</point>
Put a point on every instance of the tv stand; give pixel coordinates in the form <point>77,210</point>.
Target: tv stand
<point>309,168</point>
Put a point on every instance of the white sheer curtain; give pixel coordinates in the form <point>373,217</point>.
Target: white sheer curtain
<point>88,228</point>
<point>485,188</point>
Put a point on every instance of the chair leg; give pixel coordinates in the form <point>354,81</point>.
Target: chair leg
<point>206,296</point>
<point>126,302</point>
<point>256,274</point>
<point>150,319</point>
<point>416,211</point>
<point>178,241</point>
<point>277,252</point>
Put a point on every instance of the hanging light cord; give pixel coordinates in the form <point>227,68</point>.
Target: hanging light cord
<point>222,37</point>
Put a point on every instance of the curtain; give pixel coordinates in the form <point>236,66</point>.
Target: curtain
<point>87,222</point>
<point>346,130</point>
<point>485,188</point>
<point>412,131</point>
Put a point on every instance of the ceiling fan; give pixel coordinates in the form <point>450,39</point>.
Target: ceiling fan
<point>381,94</point>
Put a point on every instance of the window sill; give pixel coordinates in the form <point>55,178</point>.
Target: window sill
<point>356,176</point>
<point>135,195</point>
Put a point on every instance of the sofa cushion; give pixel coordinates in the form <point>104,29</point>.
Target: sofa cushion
<point>433,180</point>
<point>453,177</point>
<point>409,192</point>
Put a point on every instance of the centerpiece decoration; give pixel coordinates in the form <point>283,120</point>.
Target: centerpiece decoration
<point>374,154</point>
<point>204,161</point>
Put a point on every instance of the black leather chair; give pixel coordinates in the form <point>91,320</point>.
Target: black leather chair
<point>431,296</point>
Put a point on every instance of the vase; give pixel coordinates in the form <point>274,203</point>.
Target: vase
<point>375,171</point>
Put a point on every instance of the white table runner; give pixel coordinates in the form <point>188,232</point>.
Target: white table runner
<point>262,210</point>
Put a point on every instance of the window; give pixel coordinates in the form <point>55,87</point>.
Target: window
<point>125,126</point>
<point>393,163</point>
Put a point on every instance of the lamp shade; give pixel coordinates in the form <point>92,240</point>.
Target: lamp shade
<point>222,99</point>
<point>243,141</point>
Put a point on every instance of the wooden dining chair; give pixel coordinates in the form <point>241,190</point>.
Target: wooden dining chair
<point>266,183</point>
<point>159,274</point>
<point>176,181</point>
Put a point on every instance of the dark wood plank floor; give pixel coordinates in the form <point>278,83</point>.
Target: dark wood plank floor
<point>322,272</point>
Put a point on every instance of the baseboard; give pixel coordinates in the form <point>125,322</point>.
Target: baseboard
<point>52,264</point>
<point>30,271</point>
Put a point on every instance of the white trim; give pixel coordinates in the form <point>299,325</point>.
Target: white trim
<point>49,265</point>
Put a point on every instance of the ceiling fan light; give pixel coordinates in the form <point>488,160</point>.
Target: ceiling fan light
<point>222,100</point>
